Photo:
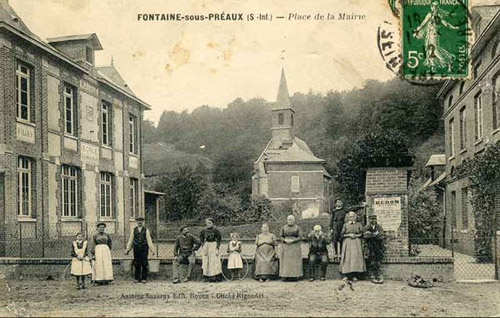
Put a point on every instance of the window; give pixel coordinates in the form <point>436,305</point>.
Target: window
<point>134,190</point>
<point>106,123</point>
<point>295,184</point>
<point>450,101</point>
<point>463,128</point>
<point>106,195</point>
<point>452,137</point>
<point>496,103</point>
<point>69,191</point>
<point>23,92</point>
<point>89,55</point>
<point>69,110</point>
<point>24,190</point>
<point>476,69</point>
<point>281,119</point>
<point>132,124</point>
<point>453,209</point>
<point>478,116</point>
<point>465,209</point>
<point>461,88</point>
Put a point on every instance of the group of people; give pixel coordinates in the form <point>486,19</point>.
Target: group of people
<point>352,244</point>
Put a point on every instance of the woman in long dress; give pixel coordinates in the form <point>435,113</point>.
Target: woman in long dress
<point>210,239</point>
<point>103,268</point>
<point>265,255</point>
<point>352,262</point>
<point>435,54</point>
<point>290,251</point>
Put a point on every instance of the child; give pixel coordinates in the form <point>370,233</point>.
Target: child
<point>80,264</point>
<point>234,262</point>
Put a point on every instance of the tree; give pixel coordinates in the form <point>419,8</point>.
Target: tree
<point>184,188</point>
<point>379,148</point>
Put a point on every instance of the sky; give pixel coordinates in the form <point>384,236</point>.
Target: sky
<point>182,65</point>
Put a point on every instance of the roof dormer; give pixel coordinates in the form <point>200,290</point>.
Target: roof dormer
<point>81,48</point>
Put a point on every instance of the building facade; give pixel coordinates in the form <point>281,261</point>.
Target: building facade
<point>70,140</point>
<point>472,122</point>
<point>287,172</point>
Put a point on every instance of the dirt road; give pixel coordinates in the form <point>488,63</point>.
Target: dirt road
<point>247,298</point>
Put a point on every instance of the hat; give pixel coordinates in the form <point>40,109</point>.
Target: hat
<point>372,217</point>
<point>139,218</point>
<point>101,223</point>
<point>182,228</point>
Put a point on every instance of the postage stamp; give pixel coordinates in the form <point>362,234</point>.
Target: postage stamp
<point>435,37</point>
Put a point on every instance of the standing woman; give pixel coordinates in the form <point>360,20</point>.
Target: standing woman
<point>290,251</point>
<point>265,254</point>
<point>352,261</point>
<point>102,272</point>
<point>210,239</point>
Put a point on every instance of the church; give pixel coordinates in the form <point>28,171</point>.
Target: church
<point>287,172</point>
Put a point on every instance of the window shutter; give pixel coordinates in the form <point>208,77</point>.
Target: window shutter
<point>113,196</point>
<point>79,194</point>
<point>33,189</point>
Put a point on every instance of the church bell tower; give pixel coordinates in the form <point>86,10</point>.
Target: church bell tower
<point>283,115</point>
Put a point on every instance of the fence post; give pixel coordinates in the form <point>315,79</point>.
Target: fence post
<point>495,253</point>
<point>452,241</point>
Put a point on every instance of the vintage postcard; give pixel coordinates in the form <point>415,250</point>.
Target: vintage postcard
<point>249,158</point>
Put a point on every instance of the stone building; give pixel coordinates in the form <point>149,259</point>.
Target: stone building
<point>70,141</point>
<point>472,122</point>
<point>287,172</point>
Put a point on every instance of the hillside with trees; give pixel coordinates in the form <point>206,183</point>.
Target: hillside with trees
<point>221,144</point>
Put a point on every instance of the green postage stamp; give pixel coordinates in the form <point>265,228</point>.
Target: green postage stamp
<point>435,37</point>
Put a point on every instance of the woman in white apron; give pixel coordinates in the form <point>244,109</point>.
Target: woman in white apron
<point>80,264</point>
<point>102,272</point>
<point>210,238</point>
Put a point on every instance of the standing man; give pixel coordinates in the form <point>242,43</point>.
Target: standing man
<point>318,252</point>
<point>336,223</point>
<point>140,240</point>
<point>185,246</point>
<point>375,248</point>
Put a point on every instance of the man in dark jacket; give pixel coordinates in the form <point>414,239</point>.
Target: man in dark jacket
<point>375,248</point>
<point>336,223</point>
<point>140,240</point>
<point>184,248</point>
<point>318,252</point>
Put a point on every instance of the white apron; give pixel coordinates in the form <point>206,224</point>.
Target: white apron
<point>210,264</point>
<point>80,267</point>
<point>103,267</point>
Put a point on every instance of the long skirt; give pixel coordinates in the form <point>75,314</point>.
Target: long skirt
<point>210,263</point>
<point>234,261</point>
<point>291,260</point>
<point>80,267</point>
<point>103,268</point>
<point>265,263</point>
<point>352,258</point>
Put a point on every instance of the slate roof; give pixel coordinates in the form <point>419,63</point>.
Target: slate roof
<point>10,17</point>
<point>91,37</point>
<point>111,74</point>
<point>297,152</point>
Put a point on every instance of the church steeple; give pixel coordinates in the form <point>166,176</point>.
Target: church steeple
<point>282,113</point>
<point>283,98</point>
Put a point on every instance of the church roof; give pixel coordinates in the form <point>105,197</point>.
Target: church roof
<point>298,152</point>
<point>111,74</point>
<point>283,98</point>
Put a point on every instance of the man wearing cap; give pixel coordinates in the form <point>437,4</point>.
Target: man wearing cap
<point>140,240</point>
<point>375,248</point>
<point>184,248</point>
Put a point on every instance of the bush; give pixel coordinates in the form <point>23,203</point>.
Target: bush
<point>424,217</point>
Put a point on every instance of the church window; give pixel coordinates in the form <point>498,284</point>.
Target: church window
<point>281,119</point>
